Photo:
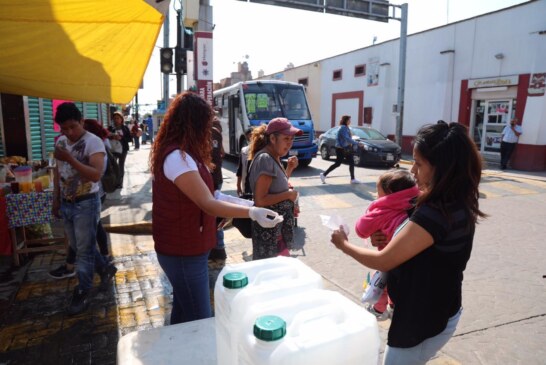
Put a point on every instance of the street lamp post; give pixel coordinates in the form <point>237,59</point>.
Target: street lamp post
<point>401,72</point>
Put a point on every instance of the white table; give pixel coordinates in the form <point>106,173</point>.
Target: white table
<point>186,343</point>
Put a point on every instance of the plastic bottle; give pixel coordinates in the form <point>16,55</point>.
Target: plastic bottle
<point>267,279</point>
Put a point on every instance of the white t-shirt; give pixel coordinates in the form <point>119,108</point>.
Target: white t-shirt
<point>175,165</point>
<point>71,183</point>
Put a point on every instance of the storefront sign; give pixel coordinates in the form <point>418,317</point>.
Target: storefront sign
<point>203,64</point>
<point>537,84</point>
<point>493,82</point>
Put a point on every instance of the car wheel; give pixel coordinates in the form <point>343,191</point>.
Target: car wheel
<point>357,159</point>
<point>304,162</point>
<point>324,153</point>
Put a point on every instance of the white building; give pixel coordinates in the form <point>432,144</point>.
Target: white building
<point>480,72</point>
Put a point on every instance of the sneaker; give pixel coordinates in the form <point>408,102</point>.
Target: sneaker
<point>217,254</point>
<point>79,302</point>
<point>355,181</point>
<point>322,178</point>
<point>370,308</point>
<point>62,272</point>
<point>106,276</point>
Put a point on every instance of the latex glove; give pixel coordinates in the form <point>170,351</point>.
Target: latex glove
<point>265,217</point>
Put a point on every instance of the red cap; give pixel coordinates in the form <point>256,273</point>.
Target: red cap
<point>282,126</point>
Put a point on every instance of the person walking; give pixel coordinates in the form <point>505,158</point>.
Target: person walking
<point>136,132</point>
<point>269,184</point>
<point>184,207</point>
<point>67,269</point>
<point>509,139</point>
<point>242,168</point>
<point>120,137</point>
<point>426,258</point>
<point>80,164</point>
<point>345,146</point>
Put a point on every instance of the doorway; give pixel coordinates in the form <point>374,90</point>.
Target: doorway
<point>491,116</point>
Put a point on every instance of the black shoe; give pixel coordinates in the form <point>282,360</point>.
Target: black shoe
<point>106,276</point>
<point>217,254</point>
<point>79,302</point>
<point>62,272</point>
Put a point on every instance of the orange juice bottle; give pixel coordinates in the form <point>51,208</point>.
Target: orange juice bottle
<point>25,187</point>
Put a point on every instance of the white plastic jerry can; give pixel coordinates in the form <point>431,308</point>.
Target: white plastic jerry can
<point>241,286</point>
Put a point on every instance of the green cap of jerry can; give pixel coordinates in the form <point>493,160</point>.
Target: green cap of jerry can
<point>269,328</point>
<point>235,280</point>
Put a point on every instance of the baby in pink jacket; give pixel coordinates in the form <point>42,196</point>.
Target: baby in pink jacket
<point>396,190</point>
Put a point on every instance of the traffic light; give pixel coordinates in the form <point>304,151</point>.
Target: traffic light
<point>166,55</point>
<point>188,39</point>
<point>181,61</point>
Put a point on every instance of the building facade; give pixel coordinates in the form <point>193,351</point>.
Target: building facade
<point>480,72</point>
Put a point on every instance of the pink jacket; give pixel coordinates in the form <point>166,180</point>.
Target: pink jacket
<point>386,214</point>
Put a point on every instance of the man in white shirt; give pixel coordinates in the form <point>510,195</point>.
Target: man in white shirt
<point>509,139</point>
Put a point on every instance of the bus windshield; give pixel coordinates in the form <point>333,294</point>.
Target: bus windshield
<point>267,101</point>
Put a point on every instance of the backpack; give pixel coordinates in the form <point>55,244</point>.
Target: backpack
<point>110,178</point>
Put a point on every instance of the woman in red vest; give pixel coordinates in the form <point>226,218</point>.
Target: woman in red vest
<point>184,208</point>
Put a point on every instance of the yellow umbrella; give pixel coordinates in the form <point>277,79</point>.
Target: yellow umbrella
<point>86,50</point>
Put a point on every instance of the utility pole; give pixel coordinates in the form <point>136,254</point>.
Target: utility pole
<point>401,72</point>
<point>166,76</point>
<point>178,50</point>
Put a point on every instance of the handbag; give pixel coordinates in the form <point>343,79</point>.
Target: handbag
<point>244,225</point>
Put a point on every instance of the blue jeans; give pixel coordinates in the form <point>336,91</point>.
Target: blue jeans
<point>80,223</point>
<point>189,277</point>
<point>426,350</point>
<point>220,239</point>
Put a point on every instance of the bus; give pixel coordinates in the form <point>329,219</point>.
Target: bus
<point>252,103</point>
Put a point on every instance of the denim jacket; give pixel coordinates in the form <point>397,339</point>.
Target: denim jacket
<point>344,138</point>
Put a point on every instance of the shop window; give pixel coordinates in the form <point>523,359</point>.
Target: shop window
<point>360,70</point>
<point>338,75</point>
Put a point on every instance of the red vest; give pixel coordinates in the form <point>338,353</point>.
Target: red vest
<point>179,226</point>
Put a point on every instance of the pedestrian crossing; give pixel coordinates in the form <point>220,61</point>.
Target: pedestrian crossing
<point>338,194</point>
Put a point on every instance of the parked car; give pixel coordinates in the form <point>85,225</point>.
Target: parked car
<point>378,149</point>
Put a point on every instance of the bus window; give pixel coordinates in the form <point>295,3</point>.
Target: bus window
<point>294,104</point>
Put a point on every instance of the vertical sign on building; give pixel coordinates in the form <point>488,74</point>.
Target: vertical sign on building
<point>203,64</point>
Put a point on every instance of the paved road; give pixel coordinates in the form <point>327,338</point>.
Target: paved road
<point>503,293</point>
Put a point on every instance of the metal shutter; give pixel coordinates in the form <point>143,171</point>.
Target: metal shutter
<point>35,131</point>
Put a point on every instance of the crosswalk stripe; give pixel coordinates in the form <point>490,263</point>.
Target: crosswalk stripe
<point>511,188</point>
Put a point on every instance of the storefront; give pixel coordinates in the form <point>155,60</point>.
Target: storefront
<point>494,104</point>
<point>27,128</point>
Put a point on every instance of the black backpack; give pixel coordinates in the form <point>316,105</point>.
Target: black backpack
<point>110,178</point>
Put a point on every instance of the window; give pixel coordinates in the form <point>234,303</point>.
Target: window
<point>304,82</point>
<point>368,116</point>
<point>337,75</point>
<point>360,70</point>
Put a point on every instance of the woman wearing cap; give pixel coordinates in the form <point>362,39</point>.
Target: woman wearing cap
<point>184,209</point>
<point>269,183</point>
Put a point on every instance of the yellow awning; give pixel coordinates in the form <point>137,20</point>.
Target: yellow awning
<point>85,50</point>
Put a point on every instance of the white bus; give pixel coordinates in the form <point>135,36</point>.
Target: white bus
<point>251,103</point>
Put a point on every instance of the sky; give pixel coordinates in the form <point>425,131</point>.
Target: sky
<point>270,37</point>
